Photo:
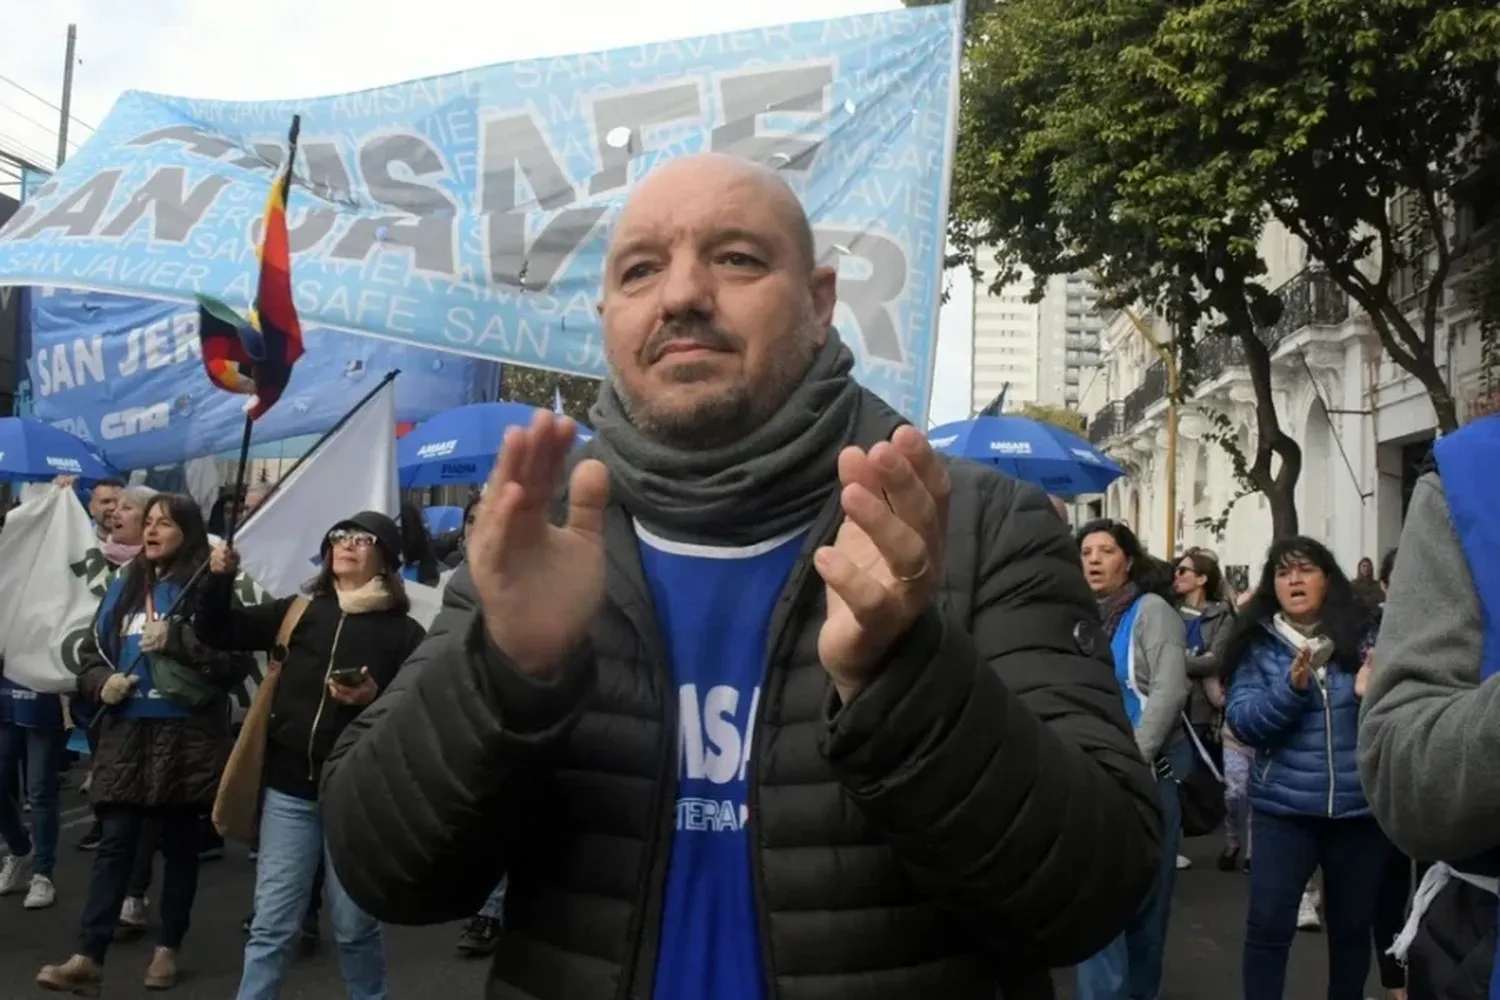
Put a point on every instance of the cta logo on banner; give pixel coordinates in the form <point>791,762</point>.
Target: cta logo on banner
<point>469,212</point>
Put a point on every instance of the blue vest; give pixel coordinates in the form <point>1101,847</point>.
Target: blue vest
<point>1122,645</point>
<point>1467,460</point>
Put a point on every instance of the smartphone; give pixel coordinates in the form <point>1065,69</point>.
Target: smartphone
<point>1319,651</point>
<point>349,677</point>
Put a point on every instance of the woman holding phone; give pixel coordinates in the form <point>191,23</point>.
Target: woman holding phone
<point>1295,674</point>
<point>352,636</point>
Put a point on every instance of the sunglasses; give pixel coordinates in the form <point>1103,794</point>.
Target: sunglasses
<point>358,539</point>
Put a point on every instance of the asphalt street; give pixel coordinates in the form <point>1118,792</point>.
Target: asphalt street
<point>1202,958</point>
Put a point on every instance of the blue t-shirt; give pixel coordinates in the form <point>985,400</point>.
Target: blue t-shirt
<point>714,608</point>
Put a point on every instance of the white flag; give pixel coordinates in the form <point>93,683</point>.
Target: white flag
<point>52,575</point>
<point>351,470</point>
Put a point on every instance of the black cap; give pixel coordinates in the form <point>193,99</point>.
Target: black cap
<point>387,535</point>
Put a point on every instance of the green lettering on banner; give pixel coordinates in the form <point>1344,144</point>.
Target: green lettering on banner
<point>72,647</point>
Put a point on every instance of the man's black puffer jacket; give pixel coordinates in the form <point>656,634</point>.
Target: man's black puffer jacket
<point>975,815</point>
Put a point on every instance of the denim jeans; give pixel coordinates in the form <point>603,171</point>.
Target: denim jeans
<point>1353,854</point>
<point>43,751</point>
<point>291,844</point>
<point>1130,966</point>
<point>111,874</point>
<point>494,906</point>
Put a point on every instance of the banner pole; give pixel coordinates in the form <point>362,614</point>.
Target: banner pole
<point>390,377</point>
<point>959,13</point>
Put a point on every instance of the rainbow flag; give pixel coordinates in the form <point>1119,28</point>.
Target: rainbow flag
<point>254,355</point>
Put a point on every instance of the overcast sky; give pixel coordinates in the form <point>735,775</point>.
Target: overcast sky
<point>302,48</point>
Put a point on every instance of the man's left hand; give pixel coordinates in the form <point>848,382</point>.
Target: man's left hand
<point>359,695</point>
<point>886,563</point>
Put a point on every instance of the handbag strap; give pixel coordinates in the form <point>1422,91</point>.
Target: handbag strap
<point>289,623</point>
<point>1202,750</point>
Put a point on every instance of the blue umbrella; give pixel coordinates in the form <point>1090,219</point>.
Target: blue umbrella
<point>441,520</point>
<point>31,451</point>
<point>1063,464</point>
<point>459,446</point>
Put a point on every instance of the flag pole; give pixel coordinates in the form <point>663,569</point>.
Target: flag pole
<point>390,376</point>
<point>193,581</point>
<point>237,497</point>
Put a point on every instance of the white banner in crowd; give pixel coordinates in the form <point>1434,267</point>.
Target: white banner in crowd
<point>52,573</point>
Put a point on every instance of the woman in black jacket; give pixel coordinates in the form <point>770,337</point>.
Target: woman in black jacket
<point>352,638</point>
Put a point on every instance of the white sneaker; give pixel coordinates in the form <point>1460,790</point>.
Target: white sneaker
<point>41,895</point>
<point>15,873</point>
<point>1307,914</point>
<point>133,913</point>
<point>1183,864</point>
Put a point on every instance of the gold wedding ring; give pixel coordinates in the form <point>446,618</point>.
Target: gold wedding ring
<point>926,565</point>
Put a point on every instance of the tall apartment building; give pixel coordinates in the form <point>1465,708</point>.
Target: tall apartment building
<point>1069,337</point>
<point>1039,348</point>
<point>1005,340</point>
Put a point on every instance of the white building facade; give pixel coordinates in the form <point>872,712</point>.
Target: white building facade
<point>1035,352</point>
<point>1364,425</point>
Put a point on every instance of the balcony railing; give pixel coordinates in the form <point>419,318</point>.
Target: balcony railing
<point>1311,298</point>
<point>1107,422</point>
<point>1153,388</point>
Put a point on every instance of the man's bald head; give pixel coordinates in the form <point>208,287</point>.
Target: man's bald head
<point>713,305</point>
<point>712,168</point>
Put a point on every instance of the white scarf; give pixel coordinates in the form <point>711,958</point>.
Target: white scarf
<point>1298,641</point>
<point>372,595</point>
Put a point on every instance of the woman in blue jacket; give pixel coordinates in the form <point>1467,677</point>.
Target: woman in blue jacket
<point>1294,685</point>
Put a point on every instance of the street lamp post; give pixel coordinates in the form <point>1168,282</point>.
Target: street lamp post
<point>1169,363</point>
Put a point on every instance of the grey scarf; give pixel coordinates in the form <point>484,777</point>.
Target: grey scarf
<point>773,480</point>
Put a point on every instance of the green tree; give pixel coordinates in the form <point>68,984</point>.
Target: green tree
<point>1057,416</point>
<point>973,10</point>
<point>537,387</point>
<point>1070,160</point>
<point>1363,125</point>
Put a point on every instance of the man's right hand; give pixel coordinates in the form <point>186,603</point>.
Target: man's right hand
<point>223,560</point>
<point>539,585</point>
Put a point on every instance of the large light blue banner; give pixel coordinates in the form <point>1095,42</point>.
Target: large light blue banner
<point>469,212</point>
<point>127,375</point>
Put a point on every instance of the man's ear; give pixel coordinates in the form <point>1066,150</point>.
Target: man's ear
<point>825,294</point>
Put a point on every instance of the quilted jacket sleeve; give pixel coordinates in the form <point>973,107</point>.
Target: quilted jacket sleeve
<point>1264,709</point>
<point>427,793</point>
<point>995,753</point>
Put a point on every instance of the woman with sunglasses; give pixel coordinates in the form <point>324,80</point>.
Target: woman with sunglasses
<point>1202,602</point>
<point>353,635</point>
